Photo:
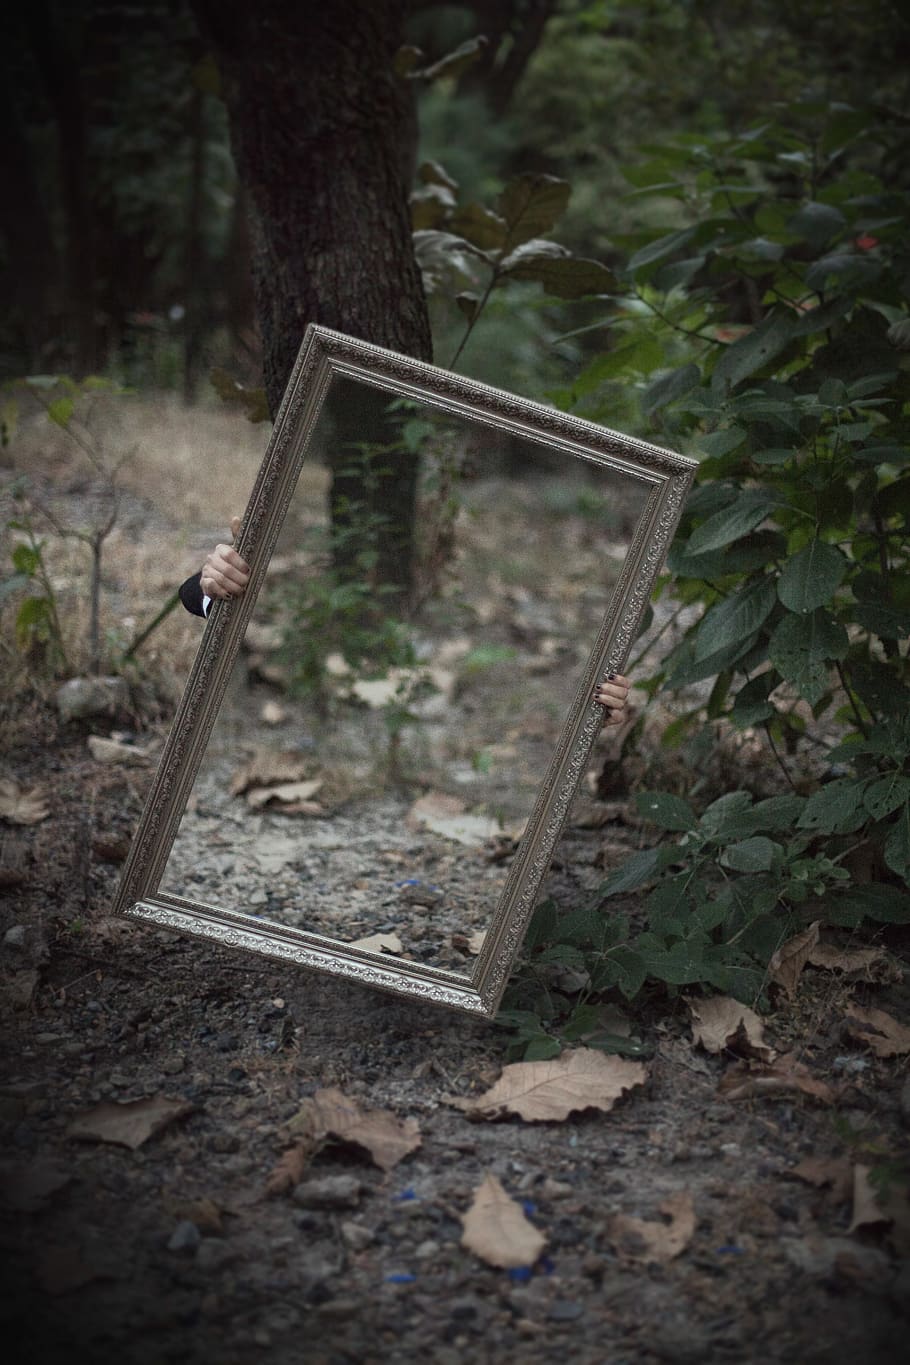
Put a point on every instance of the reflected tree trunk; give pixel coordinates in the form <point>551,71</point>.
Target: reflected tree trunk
<point>324,135</point>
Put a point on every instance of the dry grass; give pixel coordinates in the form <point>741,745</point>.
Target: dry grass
<point>184,473</point>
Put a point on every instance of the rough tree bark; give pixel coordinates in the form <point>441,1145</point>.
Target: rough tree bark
<point>323,133</point>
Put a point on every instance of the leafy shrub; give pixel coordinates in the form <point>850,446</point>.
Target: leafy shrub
<point>781,305</point>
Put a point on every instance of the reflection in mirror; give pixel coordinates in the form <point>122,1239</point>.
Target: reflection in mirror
<point>378,744</point>
<point>378,752</point>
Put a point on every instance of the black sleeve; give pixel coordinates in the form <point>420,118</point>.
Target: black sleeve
<point>191,594</point>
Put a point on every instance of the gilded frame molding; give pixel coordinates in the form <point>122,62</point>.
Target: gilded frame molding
<point>667,478</point>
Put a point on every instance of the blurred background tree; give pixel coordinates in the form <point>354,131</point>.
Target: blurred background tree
<point>125,228</point>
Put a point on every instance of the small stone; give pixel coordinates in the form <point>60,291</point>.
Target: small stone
<point>330,1192</point>
<point>185,1237</point>
<point>555,1189</point>
<point>15,936</point>
<point>356,1236</point>
<point>172,1066</point>
<point>565,1310</point>
<point>81,698</point>
<point>214,1253</point>
<point>427,1250</point>
<point>227,1042</point>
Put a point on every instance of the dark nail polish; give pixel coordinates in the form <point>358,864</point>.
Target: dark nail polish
<point>610,677</point>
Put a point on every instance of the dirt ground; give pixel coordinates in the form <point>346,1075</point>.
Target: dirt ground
<point>173,1249</point>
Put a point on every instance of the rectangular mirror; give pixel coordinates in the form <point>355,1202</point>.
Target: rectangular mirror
<point>368,780</point>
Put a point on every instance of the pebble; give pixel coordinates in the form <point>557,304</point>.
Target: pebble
<point>15,936</point>
<point>427,1250</point>
<point>356,1236</point>
<point>555,1189</point>
<point>172,1066</point>
<point>185,1237</point>
<point>565,1310</point>
<point>329,1192</point>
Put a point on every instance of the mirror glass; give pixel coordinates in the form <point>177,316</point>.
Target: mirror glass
<point>376,758</point>
<point>379,741</point>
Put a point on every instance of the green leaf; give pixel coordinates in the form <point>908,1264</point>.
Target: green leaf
<point>719,443</point>
<point>800,646</point>
<point>687,668</point>
<point>565,277</point>
<point>735,618</point>
<point>731,523</point>
<point>661,248</point>
<point>669,387</point>
<point>542,1048</point>
<point>817,223</point>
<point>531,205</point>
<point>666,810</point>
<point>757,854</point>
<point>26,560</point>
<point>722,814</point>
<point>884,797</point>
<point>634,872</point>
<point>811,577</point>
<point>453,63</point>
<point>836,808</point>
<point>60,411</point>
<point>479,225</point>
<point>669,905</point>
<point>777,813</point>
<point>751,706</point>
<point>753,351</point>
<point>897,845</point>
<point>683,964</point>
<point>875,901</point>
<point>887,622</point>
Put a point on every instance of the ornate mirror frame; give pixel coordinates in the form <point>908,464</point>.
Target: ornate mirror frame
<point>324,354</point>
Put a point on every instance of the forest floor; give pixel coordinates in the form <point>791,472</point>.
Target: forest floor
<point>150,1083</point>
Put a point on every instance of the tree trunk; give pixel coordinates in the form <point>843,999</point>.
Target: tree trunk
<point>323,133</point>
<point>58,65</point>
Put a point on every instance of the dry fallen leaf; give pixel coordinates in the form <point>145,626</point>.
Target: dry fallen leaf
<point>787,963</point>
<point>270,768</point>
<point>21,807</point>
<point>128,1124</point>
<point>379,943</point>
<point>638,1240</point>
<point>747,1081</point>
<point>825,1170</point>
<point>17,989</point>
<point>331,1113</point>
<point>867,1211</point>
<point>104,750</point>
<point>722,1024</point>
<point>286,794</point>
<point>448,816</point>
<point>544,1091</point>
<point>881,1032</point>
<point>863,964</point>
<point>496,1229</point>
<point>291,1167</point>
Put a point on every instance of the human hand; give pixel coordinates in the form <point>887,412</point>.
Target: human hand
<point>613,695</point>
<point>224,573</point>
